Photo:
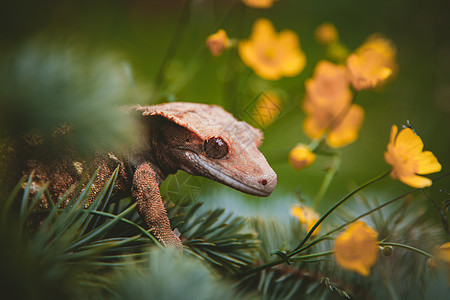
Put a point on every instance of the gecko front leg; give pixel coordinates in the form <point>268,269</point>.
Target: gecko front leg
<point>145,191</point>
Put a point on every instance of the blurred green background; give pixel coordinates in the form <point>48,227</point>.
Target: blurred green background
<point>144,33</point>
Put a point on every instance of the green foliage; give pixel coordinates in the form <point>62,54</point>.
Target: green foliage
<point>218,238</point>
<point>295,280</point>
<point>73,252</point>
<point>47,84</point>
<point>166,275</point>
<point>103,252</point>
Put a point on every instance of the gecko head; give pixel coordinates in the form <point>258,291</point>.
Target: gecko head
<point>207,141</point>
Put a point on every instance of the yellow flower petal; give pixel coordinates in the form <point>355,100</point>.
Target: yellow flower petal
<point>409,140</point>
<point>263,31</point>
<point>259,3</point>
<point>346,131</point>
<point>394,131</point>
<point>372,63</point>
<point>442,253</point>
<point>329,88</point>
<point>307,217</point>
<point>383,46</point>
<point>427,163</point>
<point>356,248</point>
<point>416,181</point>
<point>328,106</point>
<point>313,128</point>
<point>294,63</point>
<point>404,153</point>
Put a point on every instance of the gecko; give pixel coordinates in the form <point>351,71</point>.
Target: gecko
<point>200,139</point>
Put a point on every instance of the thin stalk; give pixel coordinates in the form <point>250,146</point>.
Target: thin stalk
<point>299,258</point>
<point>299,247</point>
<point>173,43</point>
<point>327,179</point>
<point>327,235</point>
<point>280,261</point>
<point>314,144</point>
<point>406,247</point>
<point>263,267</point>
<point>351,194</point>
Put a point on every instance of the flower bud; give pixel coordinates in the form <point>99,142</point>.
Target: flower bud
<point>217,42</point>
<point>301,157</point>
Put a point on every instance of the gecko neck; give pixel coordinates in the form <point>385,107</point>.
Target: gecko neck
<point>157,163</point>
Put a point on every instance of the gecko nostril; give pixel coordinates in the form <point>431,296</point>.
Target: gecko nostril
<point>264,182</point>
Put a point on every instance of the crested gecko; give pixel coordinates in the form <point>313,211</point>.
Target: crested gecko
<point>199,139</point>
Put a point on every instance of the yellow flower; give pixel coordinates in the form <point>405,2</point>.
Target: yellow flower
<point>259,3</point>
<point>267,108</point>
<point>441,259</point>
<point>346,131</point>
<point>356,248</point>
<point>272,55</point>
<point>404,153</point>
<point>372,63</point>
<point>326,34</point>
<point>307,217</point>
<point>301,157</point>
<point>328,106</point>
<point>217,42</point>
<point>442,253</point>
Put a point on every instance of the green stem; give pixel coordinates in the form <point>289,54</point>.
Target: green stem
<point>327,235</point>
<point>314,144</point>
<point>299,247</point>
<point>263,267</point>
<point>351,194</point>
<point>406,247</point>
<point>299,258</point>
<point>173,43</point>
<point>327,179</point>
<point>280,261</point>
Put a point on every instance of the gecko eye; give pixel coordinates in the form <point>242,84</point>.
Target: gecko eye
<point>215,147</point>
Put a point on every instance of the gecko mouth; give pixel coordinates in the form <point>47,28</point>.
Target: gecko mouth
<point>224,178</point>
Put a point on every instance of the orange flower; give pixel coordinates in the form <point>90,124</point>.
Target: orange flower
<point>356,248</point>
<point>441,259</point>
<point>307,217</point>
<point>372,63</point>
<point>301,157</point>
<point>217,42</point>
<point>345,131</point>
<point>267,108</point>
<point>326,34</point>
<point>328,106</point>
<point>404,153</point>
<point>442,254</point>
<point>259,3</point>
<point>272,55</point>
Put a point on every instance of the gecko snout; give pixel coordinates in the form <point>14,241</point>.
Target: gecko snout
<point>267,183</point>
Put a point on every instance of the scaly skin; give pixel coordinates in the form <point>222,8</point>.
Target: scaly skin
<point>200,139</point>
